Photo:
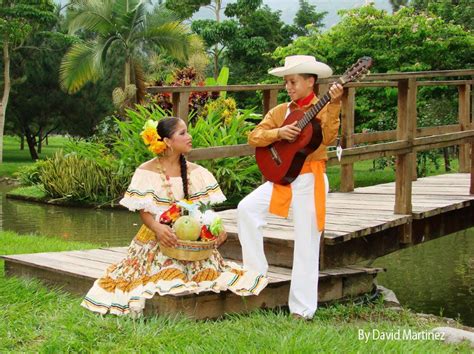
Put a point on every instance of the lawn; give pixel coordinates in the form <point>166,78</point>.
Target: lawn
<point>37,319</point>
<point>14,158</point>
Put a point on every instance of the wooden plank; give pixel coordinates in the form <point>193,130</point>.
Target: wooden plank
<point>181,105</point>
<point>347,133</point>
<point>464,92</point>
<point>445,83</point>
<point>471,189</point>
<point>382,78</point>
<point>40,261</point>
<point>404,162</point>
<point>220,152</point>
<point>269,100</point>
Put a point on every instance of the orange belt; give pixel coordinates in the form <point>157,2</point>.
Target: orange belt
<point>281,195</point>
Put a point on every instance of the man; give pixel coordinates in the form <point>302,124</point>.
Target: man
<point>306,194</point>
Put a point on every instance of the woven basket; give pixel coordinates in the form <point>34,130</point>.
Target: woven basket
<point>189,250</point>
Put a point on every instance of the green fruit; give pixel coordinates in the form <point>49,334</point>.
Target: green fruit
<point>187,228</point>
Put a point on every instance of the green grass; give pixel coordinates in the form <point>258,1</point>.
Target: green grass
<point>36,319</point>
<point>33,192</point>
<point>14,158</point>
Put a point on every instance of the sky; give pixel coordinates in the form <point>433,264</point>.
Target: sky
<point>288,8</point>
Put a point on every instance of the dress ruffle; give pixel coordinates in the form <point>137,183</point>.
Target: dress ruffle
<point>147,192</point>
<point>145,271</point>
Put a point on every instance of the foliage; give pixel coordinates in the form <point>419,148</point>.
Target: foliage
<point>225,107</point>
<point>397,4</point>
<point>185,77</point>
<point>81,179</point>
<point>30,175</point>
<point>307,15</point>
<point>460,12</point>
<point>127,26</point>
<point>20,21</point>
<point>237,176</point>
<point>34,116</point>
<point>404,41</point>
<point>221,80</point>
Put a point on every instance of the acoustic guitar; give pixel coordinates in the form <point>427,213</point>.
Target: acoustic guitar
<point>281,162</point>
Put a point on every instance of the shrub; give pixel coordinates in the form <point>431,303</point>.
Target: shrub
<point>77,178</point>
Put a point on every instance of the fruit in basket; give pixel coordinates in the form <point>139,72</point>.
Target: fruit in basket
<point>170,215</point>
<point>187,228</point>
<point>206,235</point>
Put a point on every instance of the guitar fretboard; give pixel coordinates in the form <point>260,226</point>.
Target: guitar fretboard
<point>315,109</point>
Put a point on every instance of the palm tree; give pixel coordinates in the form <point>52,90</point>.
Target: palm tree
<point>123,24</point>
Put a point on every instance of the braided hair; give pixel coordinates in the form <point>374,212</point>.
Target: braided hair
<point>166,128</point>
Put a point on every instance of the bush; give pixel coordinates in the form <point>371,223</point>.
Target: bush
<point>81,179</point>
<point>30,175</point>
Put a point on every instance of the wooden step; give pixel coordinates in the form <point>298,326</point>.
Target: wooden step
<point>75,271</point>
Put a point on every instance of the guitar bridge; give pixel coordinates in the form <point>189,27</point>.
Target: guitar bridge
<point>275,155</point>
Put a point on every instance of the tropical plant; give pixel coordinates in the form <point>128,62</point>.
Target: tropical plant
<point>237,176</point>
<point>221,80</point>
<point>127,26</point>
<point>29,175</point>
<point>73,177</point>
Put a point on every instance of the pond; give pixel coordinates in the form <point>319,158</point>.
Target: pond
<point>436,277</point>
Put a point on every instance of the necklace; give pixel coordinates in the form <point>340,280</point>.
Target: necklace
<point>166,181</point>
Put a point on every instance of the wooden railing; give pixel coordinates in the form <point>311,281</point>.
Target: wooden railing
<point>403,142</point>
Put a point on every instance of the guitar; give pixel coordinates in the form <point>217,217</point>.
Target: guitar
<point>281,162</point>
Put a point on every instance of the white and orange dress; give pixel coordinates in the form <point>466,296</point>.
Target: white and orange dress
<point>145,271</point>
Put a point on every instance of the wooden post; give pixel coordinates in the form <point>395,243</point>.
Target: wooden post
<point>464,122</point>
<point>472,168</point>
<point>347,137</point>
<point>413,115</point>
<point>404,162</point>
<point>269,100</point>
<point>181,105</point>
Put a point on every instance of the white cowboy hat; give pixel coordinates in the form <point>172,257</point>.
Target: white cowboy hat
<point>302,64</point>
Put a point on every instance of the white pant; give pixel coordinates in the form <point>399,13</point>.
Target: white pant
<point>303,299</point>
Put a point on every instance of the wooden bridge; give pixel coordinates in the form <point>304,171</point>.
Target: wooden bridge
<point>362,223</point>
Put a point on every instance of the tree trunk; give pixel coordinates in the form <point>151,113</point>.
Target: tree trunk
<point>40,140</point>
<point>218,8</point>
<point>22,142</point>
<point>31,141</point>
<point>127,73</point>
<point>6,91</point>
<point>216,62</point>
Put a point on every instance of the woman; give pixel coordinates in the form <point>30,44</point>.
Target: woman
<point>155,186</point>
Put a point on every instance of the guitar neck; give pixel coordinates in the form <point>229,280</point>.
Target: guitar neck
<point>308,116</point>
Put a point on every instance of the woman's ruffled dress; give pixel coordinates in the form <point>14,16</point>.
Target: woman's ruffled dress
<point>145,271</point>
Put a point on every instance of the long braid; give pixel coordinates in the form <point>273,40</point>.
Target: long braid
<point>184,175</point>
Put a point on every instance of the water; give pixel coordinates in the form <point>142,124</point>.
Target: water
<point>105,227</point>
<point>436,277</point>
